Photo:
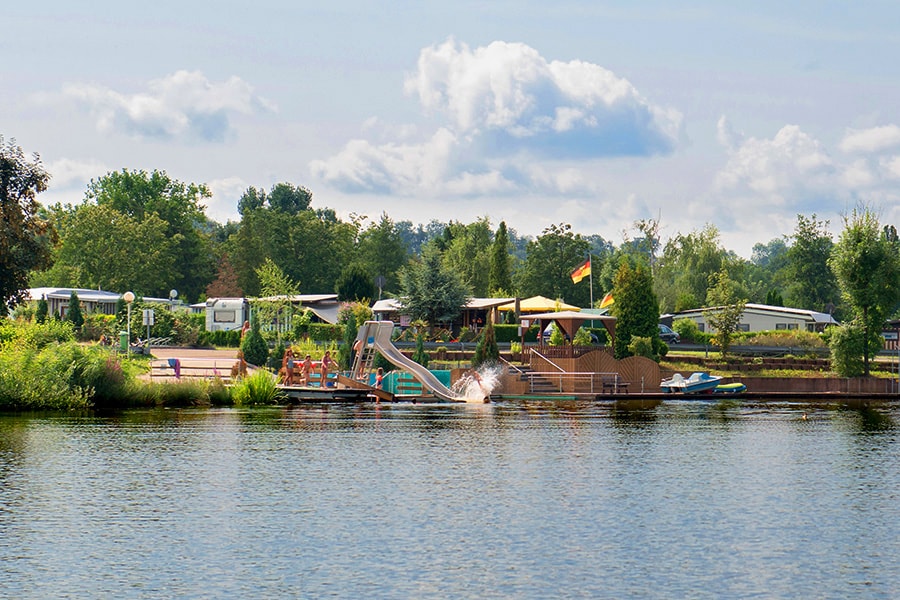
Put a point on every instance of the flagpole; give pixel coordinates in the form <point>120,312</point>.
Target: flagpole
<point>591,274</point>
<point>592,286</point>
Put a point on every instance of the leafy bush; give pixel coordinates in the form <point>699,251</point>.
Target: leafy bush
<point>97,325</point>
<point>48,332</point>
<point>689,331</point>
<point>641,346</point>
<point>582,337</point>
<point>848,344</point>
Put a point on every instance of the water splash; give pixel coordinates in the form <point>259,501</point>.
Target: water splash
<point>477,385</point>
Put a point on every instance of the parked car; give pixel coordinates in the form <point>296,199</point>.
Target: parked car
<point>667,335</point>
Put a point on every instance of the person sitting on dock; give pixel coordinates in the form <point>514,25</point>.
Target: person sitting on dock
<point>306,370</point>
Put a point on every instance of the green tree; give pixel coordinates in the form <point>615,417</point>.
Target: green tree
<point>726,309</point>
<point>139,195</point>
<point>813,285</point>
<point>419,355</point>
<point>107,249</point>
<point>500,279</point>
<point>486,350</point>
<point>468,252</point>
<point>25,237</point>
<point>74,314</point>
<point>549,262</point>
<point>287,198</point>
<point>309,249</point>
<point>867,266</point>
<point>636,308</point>
<point>682,276</point>
<point>254,347</point>
<point>381,251</point>
<point>354,283</point>
<point>345,350</point>
<point>431,291</point>
<point>276,307</point>
<point>42,310</point>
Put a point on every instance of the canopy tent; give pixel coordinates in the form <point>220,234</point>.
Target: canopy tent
<point>537,304</point>
<point>569,321</point>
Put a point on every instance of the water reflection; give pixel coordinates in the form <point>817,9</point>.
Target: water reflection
<point>504,500</point>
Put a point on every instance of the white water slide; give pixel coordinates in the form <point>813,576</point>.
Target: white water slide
<point>377,335</point>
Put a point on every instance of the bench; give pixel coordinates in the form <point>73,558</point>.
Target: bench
<point>615,384</point>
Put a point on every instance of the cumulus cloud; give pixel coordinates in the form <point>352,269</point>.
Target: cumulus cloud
<point>504,107</point>
<point>794,173</point>
<point>790,167</point>
<point>875,139</point>
<point>183,105</point>
<point>510,92</point>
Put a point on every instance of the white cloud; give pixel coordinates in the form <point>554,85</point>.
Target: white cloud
<point>510,92</point>
<point>505,111</point>
<point>67,173</point>
<point>226,192</point>
<point>183,105</point>
<point>775,170</point>
<point>872,140</point>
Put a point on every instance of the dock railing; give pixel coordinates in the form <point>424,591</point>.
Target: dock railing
<point>579,383</point>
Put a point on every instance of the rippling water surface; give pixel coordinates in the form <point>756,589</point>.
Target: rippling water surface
<point>417,501</point>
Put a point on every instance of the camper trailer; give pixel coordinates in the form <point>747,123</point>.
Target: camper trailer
<point>225,314</point>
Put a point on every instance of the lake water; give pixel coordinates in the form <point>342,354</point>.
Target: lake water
<point>688,499</point>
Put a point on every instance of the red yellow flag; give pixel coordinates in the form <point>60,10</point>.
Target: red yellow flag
<point>582,271</point>
<point>607,300</point>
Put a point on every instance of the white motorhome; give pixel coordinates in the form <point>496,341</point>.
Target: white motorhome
<point>225,314</point>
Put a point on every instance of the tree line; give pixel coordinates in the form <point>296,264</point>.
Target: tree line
<point>149,233</point>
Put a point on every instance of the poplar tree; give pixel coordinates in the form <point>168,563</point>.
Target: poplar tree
<point>500,279</point>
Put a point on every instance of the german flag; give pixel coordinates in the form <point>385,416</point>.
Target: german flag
<point>582,271</point>
<point>607,300</point>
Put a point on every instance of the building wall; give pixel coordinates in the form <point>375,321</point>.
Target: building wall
<point>758,321</point>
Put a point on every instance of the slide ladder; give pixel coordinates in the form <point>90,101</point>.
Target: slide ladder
<point>376,336</point>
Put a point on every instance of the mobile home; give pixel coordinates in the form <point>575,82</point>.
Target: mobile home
<point>225,314</point>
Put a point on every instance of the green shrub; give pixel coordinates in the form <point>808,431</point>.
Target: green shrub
<point>688,330</point>
<point>254,347</point>
<point>256,390</point>
<point>420,356</point>
<point>325,332</point>
<point>506,333</point>
<point>97,325</point>
<point>848,344</point>
<point>582,337</point>
<point>641,346</point>
<point>51,331</point>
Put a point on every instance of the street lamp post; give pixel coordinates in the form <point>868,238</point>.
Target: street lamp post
<point>172,295</point>
<point>128,297</point>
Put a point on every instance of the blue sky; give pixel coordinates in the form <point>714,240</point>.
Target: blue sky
<point>591,113</point>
